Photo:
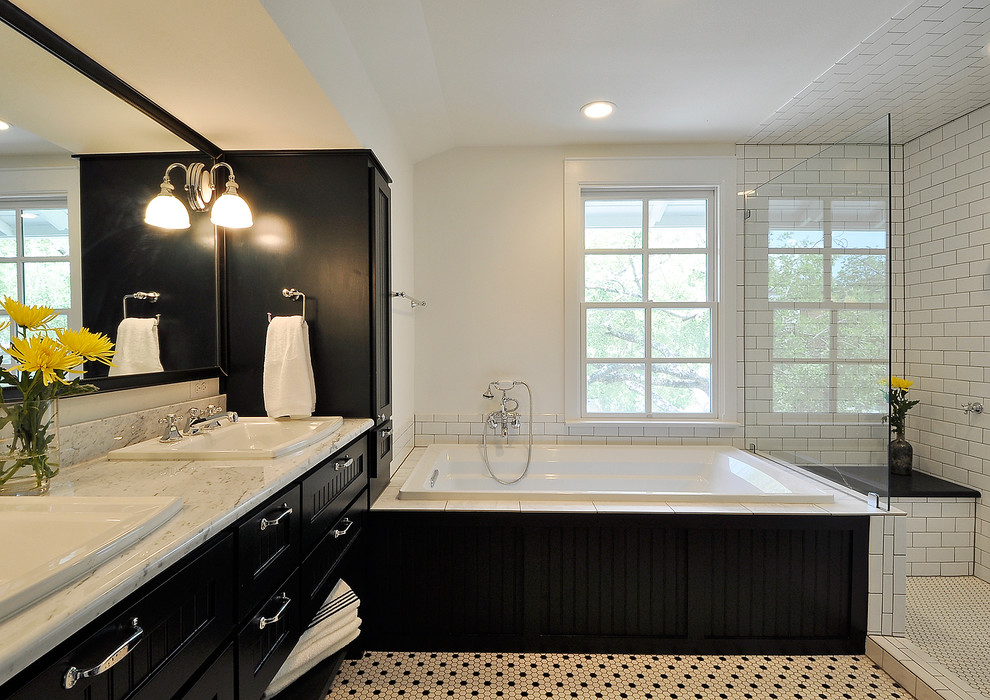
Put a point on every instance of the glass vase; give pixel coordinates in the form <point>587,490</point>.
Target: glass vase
<point>29,447</point>
<point>900,455</point>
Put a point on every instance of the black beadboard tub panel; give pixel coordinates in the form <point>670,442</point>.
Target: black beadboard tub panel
<point>623,583</point>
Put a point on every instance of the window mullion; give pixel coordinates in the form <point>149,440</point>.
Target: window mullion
<point>648,313</point>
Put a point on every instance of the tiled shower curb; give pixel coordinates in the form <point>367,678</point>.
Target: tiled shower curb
<point>917,672</point>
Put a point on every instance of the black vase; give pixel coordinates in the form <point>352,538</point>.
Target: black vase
<point>900,455</point>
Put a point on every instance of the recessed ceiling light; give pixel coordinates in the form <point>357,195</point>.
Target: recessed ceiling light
<point>597,110</point>
<point>4,126</point>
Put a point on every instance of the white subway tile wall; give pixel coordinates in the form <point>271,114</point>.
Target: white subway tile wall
<point>947,307</point>
<point>886,584</point>
<point>941,535</point>
<point>402,444</point>
<point>550,429</point>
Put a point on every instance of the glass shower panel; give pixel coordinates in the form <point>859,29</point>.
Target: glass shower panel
<point>818,312</point>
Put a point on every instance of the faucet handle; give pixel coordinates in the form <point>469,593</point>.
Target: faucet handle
<point>171,432</point>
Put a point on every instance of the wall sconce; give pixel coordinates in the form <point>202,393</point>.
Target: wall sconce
<point>229,211</point>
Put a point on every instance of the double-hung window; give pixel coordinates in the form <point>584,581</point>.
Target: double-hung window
<point>649,312</point>
<point>649,295</point>
<point>827,289</point>
<point>35,256</point>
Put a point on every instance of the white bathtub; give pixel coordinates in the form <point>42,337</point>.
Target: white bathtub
<point>609,473</point>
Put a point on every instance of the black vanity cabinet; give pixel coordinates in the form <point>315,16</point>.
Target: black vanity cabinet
<point>321,226</point>
<point>220,623</point>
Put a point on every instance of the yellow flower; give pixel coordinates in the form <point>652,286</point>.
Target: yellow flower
<point>42,354</point>
<point>87,344</point>
<point>28,316</point>
<point>898,383</point>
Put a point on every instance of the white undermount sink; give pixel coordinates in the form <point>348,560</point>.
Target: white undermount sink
<point>47,542</point>
<point>248,438</point>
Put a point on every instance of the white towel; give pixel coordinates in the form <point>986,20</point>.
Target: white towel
<point>289,385</point>
<point>137,347</point>
<point>335,626</point>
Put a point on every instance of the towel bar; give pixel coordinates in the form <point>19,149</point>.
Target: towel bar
<point>413,301</point>
<point>293,294</point>
<point>150,297</point>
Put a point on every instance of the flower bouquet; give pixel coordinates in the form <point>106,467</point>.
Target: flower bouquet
<point>900,453</point>
<point>40,365</point>
<point>899,404</point>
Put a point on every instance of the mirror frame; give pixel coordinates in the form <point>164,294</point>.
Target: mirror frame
<point>33,30</point>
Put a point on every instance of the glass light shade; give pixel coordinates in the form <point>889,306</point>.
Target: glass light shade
<point>165,211</point>
<point>230,211</point>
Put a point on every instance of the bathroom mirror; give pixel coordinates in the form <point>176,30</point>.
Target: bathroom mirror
<point>55,112</point>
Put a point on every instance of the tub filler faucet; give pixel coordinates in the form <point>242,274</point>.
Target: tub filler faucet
<point>507,416</point>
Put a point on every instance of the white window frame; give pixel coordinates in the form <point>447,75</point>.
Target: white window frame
<point>674,173</point>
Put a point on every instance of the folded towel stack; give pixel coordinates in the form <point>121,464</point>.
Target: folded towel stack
<point>289,386</point>
<point>137,347</point>
<point>335,625</point>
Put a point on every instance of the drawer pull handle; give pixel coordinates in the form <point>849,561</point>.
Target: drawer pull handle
<point>341,533</point>
<point>266,523</point>
<point>263,621</point>
<point>346,464</point>
<point>74,675</point>
<point>386,433</point>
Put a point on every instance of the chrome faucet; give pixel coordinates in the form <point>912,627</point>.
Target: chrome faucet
<point>197,420</point>
<point>507,416</point>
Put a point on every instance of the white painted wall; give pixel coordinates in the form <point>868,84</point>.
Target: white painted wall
<point>489,260</point>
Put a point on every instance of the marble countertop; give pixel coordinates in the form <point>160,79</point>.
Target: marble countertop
<point>215,494</point>
<point>847,502</point>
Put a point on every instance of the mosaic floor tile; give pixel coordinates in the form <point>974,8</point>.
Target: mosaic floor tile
<point>387,675</point>
<point>948,617</point>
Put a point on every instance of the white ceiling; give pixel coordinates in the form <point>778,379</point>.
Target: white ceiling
<point>273,74</point>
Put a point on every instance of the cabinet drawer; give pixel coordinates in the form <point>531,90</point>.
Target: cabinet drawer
<point>217,682</point>
<point>329,489</point>
<point>175,628</point>
<point>267,548</point>
<point>266,639</point>
<point>319,570</point>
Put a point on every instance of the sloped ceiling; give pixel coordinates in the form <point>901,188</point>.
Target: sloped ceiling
<point>446,73</point>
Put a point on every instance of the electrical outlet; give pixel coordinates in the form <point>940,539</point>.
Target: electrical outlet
<point>200,388</point>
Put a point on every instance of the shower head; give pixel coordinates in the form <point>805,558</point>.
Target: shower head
<point>488,394</point>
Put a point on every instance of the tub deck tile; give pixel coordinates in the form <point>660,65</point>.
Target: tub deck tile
<point>785,509</point>
<point>720,508</point>
<point>632,507</point>
<point>557,507</point>
<point>467,505</point>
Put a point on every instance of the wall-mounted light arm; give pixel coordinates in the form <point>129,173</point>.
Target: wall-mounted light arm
<point>229,211</point>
